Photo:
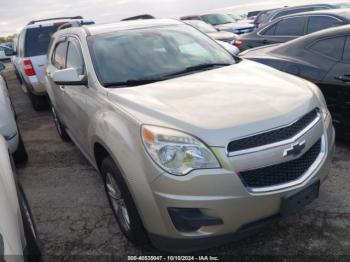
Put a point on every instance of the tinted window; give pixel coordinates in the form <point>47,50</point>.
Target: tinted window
<point>74,58</point>
<point>317,23</point>
<point>270,31</point>
<point>38,39</point>
<point>346,55</point>
<point>331,47</point>
<point>291,26</point>
<point>299,10</point>
<point>59,56</point>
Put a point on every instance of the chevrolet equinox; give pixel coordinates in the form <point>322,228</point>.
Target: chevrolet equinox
<point>196,147</point>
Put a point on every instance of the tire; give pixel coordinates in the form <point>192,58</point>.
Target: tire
<point>61,130</point>
<point>32,250</point>
<point>39,103</point>
<point>20,156</point>
<point>122,204</point>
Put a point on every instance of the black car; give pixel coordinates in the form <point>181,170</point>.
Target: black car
<point>290,27</point>
<point>270,15</point>
<point>322,58</point>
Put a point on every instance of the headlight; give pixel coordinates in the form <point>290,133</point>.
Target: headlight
<point>176,152</point>
<point>315,89</point>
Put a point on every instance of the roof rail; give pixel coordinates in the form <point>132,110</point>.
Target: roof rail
<point>139,17</point>
<point>55,18</point>
<point>75,24</point>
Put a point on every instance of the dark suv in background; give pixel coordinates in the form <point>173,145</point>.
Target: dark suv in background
<point>267,16</point>
<point>290,27</point>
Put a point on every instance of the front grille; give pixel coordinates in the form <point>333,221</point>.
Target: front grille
<point>273,136</point>
<point>281,173</point>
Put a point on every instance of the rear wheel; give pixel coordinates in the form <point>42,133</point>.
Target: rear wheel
<point>122,204</point>
<point>60,128</point>
<point>32,250</point>
<point>20,156</point>
<point>38,102</point>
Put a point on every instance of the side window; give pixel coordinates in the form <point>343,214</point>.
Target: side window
<point>291,27</point>
<point>317,23</point>
<point>75,58</point>
<point>2,49</point>
<point>270,30</point>
<point>20,44</point>
<point>59,55</point>
<point>346,54</point>
<point>330,47</point>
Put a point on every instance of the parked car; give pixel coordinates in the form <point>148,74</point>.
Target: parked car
<point>322,58</point>
<point>222,22</point>
<point>212,31</point>
<point>195,147</point>
<point>8,125</point>
<point>30,59</point>
<point>18,236</point>
<point>5,52</point>
<point>290,27</point>
<point>233,50</point>
<point>266,17</point>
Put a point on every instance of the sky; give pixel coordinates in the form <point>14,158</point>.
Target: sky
<point>17,13</point>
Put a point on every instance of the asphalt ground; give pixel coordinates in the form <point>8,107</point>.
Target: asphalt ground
<point>75,222</point>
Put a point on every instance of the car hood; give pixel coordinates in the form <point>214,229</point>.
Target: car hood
<point>220,104</point>
<point>223,35</point>
<point>234,26</point>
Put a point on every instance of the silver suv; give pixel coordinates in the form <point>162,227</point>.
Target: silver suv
<point>30,55</point>
<point>195,147</point>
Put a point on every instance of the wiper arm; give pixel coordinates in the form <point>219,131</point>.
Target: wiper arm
<point>134,82</point>
<point>198,68</point>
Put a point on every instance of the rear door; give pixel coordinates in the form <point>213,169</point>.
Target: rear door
<point>282,31</point>
<point>57,61</point>
<point>339,79</point>
<point>37,41</point>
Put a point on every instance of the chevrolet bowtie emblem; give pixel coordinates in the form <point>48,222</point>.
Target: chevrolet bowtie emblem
<point>295,149</point>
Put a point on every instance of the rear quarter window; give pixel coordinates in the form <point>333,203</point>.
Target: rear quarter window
<point>37,40</point>
<point>329,47</point>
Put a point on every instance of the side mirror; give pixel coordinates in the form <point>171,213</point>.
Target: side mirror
<point>2,67</point>
<point>233,50</point>
<point>69,77</point>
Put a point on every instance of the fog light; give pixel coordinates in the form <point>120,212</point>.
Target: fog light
<point>191,219</point>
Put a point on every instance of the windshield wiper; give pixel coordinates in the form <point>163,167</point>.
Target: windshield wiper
<point>199,67</point>
<point>134,82</point>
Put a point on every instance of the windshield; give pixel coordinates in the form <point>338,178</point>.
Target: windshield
<point>152,53</point>
<point>203,27</point>
<point>38,39</point>
<point>217,19</point>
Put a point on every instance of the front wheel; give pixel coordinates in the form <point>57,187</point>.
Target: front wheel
<point>122,204</point>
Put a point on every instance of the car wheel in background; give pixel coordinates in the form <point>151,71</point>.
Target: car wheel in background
<point>39,102</point>
<point>32,250</point>
<point>20,155</point>
<point>60,128</point>
<point>122,204</point>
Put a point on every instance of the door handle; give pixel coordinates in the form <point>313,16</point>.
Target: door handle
<point>265,41</point>
<point>344,78</point>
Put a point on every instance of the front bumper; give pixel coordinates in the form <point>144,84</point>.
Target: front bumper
<point>219,193</point>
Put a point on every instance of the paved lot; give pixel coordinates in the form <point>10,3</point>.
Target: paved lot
<point>74,219</point>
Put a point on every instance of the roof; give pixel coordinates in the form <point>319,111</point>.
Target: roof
<point>128,25</point>
<point>325,11</point>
